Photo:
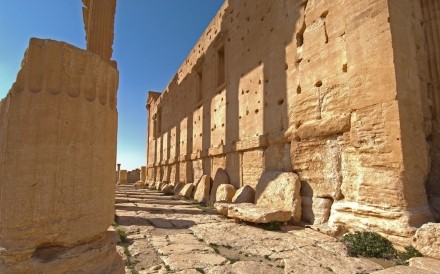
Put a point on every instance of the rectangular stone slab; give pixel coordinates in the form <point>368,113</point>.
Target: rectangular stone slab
<point>260,215</point>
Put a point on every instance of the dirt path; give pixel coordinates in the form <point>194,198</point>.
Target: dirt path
<point>167,235</point>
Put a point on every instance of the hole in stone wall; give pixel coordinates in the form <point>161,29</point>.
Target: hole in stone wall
<point>318,84</point>
<point>300,35</point>
<point>286,66</point>
<point>256,111</point>
<point>298,90</point>
<point>344,68</point>
<point>281,101</point>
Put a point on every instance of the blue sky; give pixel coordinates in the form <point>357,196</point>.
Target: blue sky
<point>152,38</point>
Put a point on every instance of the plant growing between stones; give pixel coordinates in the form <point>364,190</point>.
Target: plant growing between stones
<point>122,236</point>
<point>368,244</point>
<point>371,244</point>
<point>404,256</point>
<point>272,226</point>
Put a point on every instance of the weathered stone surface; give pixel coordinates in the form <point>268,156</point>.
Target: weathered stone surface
<point>225,193</point>
<point>122,177</point>
<point>222,208</point>
<point>245,267</point>
<point>98,18</point>
<point>245,194</point>
<point>152,186</point>
<point>315,210</point>
<point>221,177</point>
<point>161,185</point>
<point>256,214</point>
<point>429,264</point>
<point>353,94</point>
<point>168,189</point>
<point>280,190</point>
<point>138,184</point>
<point>187,191</point>
<point>400,269</point>
<point>79,258</point>
<point>427,240</point>
<point>59,130</point>
<point>324,127</point>
<point>134,175</point>
<point>203,188</point>
<point>178,187</point>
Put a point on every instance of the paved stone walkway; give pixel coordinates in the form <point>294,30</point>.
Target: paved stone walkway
<point>167,235</point>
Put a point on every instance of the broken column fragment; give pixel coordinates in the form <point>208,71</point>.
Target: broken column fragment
<point>98,18</point>
<point>58,127</point>
<point>123,177</point>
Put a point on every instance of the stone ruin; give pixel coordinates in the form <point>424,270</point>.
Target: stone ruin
<point>58,127</point>
<point>341,93</point>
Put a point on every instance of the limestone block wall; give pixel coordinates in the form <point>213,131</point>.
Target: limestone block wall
<point>335,91</point>
<point>426,35</point>
<point>133,176</point>
<point>58,127</point>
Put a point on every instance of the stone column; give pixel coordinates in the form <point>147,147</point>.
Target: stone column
<point>123,177</point>
<point>58,128</point>
<point>117,172</point>
<point>99,20</point>
<point>143,174</point>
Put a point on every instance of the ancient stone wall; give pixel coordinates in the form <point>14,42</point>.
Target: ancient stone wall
<point>335,91</point>
<point>426,20</point>
<point>133,176</point>
<point>58,127</point>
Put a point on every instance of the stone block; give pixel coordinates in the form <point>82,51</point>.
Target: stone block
<point>187,191</point>
<point>225,193</point>
<point>245,194</point>
<point>202,190</point>
<point>427,240</point>
<point>257,214</point>
<point>315,210</point>
<point>424,263</point>
<point>222,208</point>
<point>178,187</point>
<point>221,177</point>
<point>280,190</point>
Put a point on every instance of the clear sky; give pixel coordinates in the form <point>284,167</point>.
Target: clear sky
<point>152,38</point>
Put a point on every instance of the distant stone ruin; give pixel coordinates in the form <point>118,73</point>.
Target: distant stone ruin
<point>58,128</point>
<point>343,93</point>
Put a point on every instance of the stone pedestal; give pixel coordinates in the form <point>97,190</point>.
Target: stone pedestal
<point>123,175</point>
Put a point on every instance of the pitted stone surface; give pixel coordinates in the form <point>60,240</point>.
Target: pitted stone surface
<point>427,240</point>
<point>225,193</point>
